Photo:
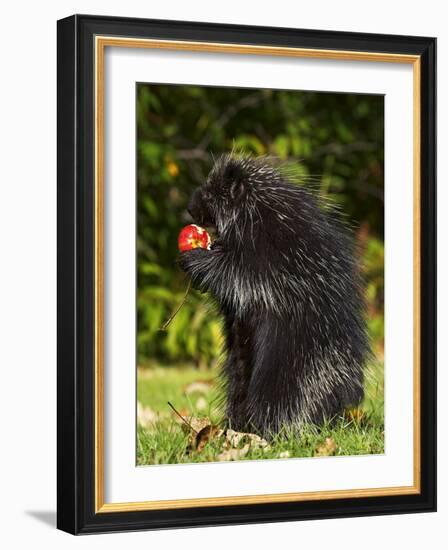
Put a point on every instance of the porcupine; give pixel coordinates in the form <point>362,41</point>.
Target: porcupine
<point>283,271</point>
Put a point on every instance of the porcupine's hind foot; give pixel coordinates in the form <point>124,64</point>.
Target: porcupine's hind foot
<point>327,408</point>
<point>236,410</point>
<point>237,420</point>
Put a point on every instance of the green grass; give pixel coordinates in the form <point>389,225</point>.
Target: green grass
<point>167,440</point>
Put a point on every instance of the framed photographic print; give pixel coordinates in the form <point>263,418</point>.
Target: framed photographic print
<point>246,274</point>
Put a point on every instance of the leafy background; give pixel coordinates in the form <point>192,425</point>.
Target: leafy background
<point>336,141</point>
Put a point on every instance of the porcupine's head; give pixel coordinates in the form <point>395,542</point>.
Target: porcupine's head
<point>238,194</point>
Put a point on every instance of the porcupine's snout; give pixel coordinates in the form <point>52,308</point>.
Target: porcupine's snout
<point>199,209</point>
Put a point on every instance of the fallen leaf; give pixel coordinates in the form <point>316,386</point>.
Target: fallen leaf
<point>205,435</point>
<point>194,423</point>
<point>327,448</point>
<point>284,454</point>
<point>180,414</point>
<point>146,417</point>
<point>234,439</point>
<point>198,386</point>
<point>201,404</point>
<point>234,454</point>
<point>189,423</point>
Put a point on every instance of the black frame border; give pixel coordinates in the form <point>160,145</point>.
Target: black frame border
<point>76,262</point>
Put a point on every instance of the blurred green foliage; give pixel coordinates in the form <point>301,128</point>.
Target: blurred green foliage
<point>336,141</point>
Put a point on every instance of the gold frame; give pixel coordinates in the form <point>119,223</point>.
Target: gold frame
<point>101,42</point>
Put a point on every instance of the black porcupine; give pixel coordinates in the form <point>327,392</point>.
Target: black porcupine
<point>283,271</point>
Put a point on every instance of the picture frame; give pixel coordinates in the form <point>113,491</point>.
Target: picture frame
<point>82,194</point>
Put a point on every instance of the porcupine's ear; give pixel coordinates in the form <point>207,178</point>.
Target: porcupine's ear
<point>234,176</point>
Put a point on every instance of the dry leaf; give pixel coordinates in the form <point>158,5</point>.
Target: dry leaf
<point>198,386</point>
<point>194,423</point>
<point>234,439</point>
<point>205,435</point>
<point>201,404</point>
<point>234,454</point>
<point>144,373</point>
<point>145,415</point>
<point>284,454</point>
<point>327,448</point>
<point>184,413</point>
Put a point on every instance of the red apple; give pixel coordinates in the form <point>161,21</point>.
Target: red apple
<point>193,236</point>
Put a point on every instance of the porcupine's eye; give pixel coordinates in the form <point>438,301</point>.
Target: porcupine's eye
<point>207,195</point>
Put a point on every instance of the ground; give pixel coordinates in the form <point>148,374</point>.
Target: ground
<point>179,421</point>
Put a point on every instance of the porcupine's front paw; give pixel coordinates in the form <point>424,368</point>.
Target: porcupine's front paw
<point>192,260</point>
<point>197,264</point>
